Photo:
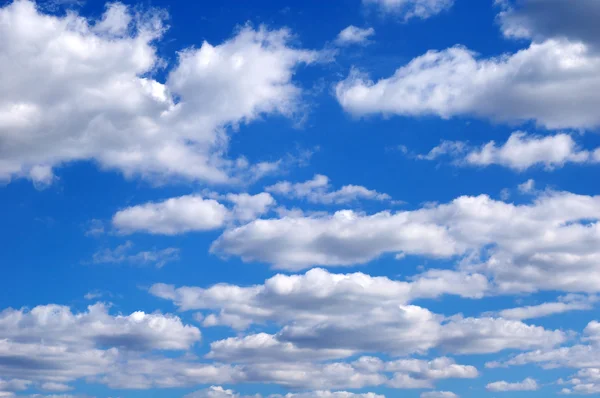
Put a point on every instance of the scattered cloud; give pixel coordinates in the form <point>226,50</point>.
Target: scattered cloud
<point>408,9</point>
<point>354,35</point>
<point>318,190</point>
<point>503,386</point>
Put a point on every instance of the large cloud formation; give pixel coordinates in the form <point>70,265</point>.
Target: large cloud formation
<point>93,97</point>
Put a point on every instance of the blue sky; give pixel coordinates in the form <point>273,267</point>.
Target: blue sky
<point>343,199</point>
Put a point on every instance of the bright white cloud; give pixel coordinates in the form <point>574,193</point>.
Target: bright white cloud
<point>520,152</point>
<point>312,312</point>
<point>408,9</point>
<point>542,19</point>
<point>190,213</point>
<point>318,190</point>
<point>93,104</point>
<point>354,35</point>
<point>502,386</point>
<point>173,216</point>
<point>549,244</point>
<point>567,303</point>
<point>554,83</point>
<point>438,394</point>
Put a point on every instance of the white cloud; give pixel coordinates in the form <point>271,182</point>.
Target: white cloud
<point>121,254</point>
<point>354,35</point>
<point>52,386</point>
<point>548,244</point>
<point>408,9</point>
<point>520,152</point>
<point>52,346</point>
<point>554,83</point>
<point>343,238</point>
<point>567,303</point>
<point>542,19</point>
<point>527,187</point>
<point>173,216</point>
<point>501,386</point>
<point>318,190</point>
<point>54,324</point>
<point>93,104</point>
<point>312,310</point>
<point>438,394</point>
<point>249,207</point>
<point>191,213</point>
<point>266,348</point>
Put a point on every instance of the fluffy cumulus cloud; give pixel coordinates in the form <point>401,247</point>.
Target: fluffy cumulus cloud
<point>501,386</point>
<point>96,101</point>
<point>408,9</point>
<point>312,312</point>
<point>520,152</point>
<point>543,19</point>
<point>354,35</point>
<point>50,346</point>
<point>583,356</point>
<point>554,82</point>
<point>548,244</point>
<point>318,190</point>
<point>190,213</point>
<point>438,394</point>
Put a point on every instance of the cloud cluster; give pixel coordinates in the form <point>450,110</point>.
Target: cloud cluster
<point>408,9</point>
<point>354,35</point>
<point>553,82</point>
<point>94,99</point>
<point>311,310</point>
<point>520,152</point>
<point>549,244</point>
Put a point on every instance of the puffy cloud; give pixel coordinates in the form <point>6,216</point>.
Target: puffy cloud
<point>312,310</point>
<point>438,394</point>
<point>408,9</point>
<point>52,386</point>
<point>173,216</point>
<point>344,238</point>
<point>584,382</point>
<point>94,104</point>
<point>519,152</point>
<point>318,190</point>
<point>121,254</point>
<point>501,386</point>
<point>567,303</point>
<point>264,347</point>
<point>313,295</point>
<point>554,83</point>
<point>542,19</point>
<point>52,346</point>
<point>548,244</point>
<point>191,213</point>
<point>578,356</point>
<point>354,35</point>
<point>57,324</point>
<point>249,207</point>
